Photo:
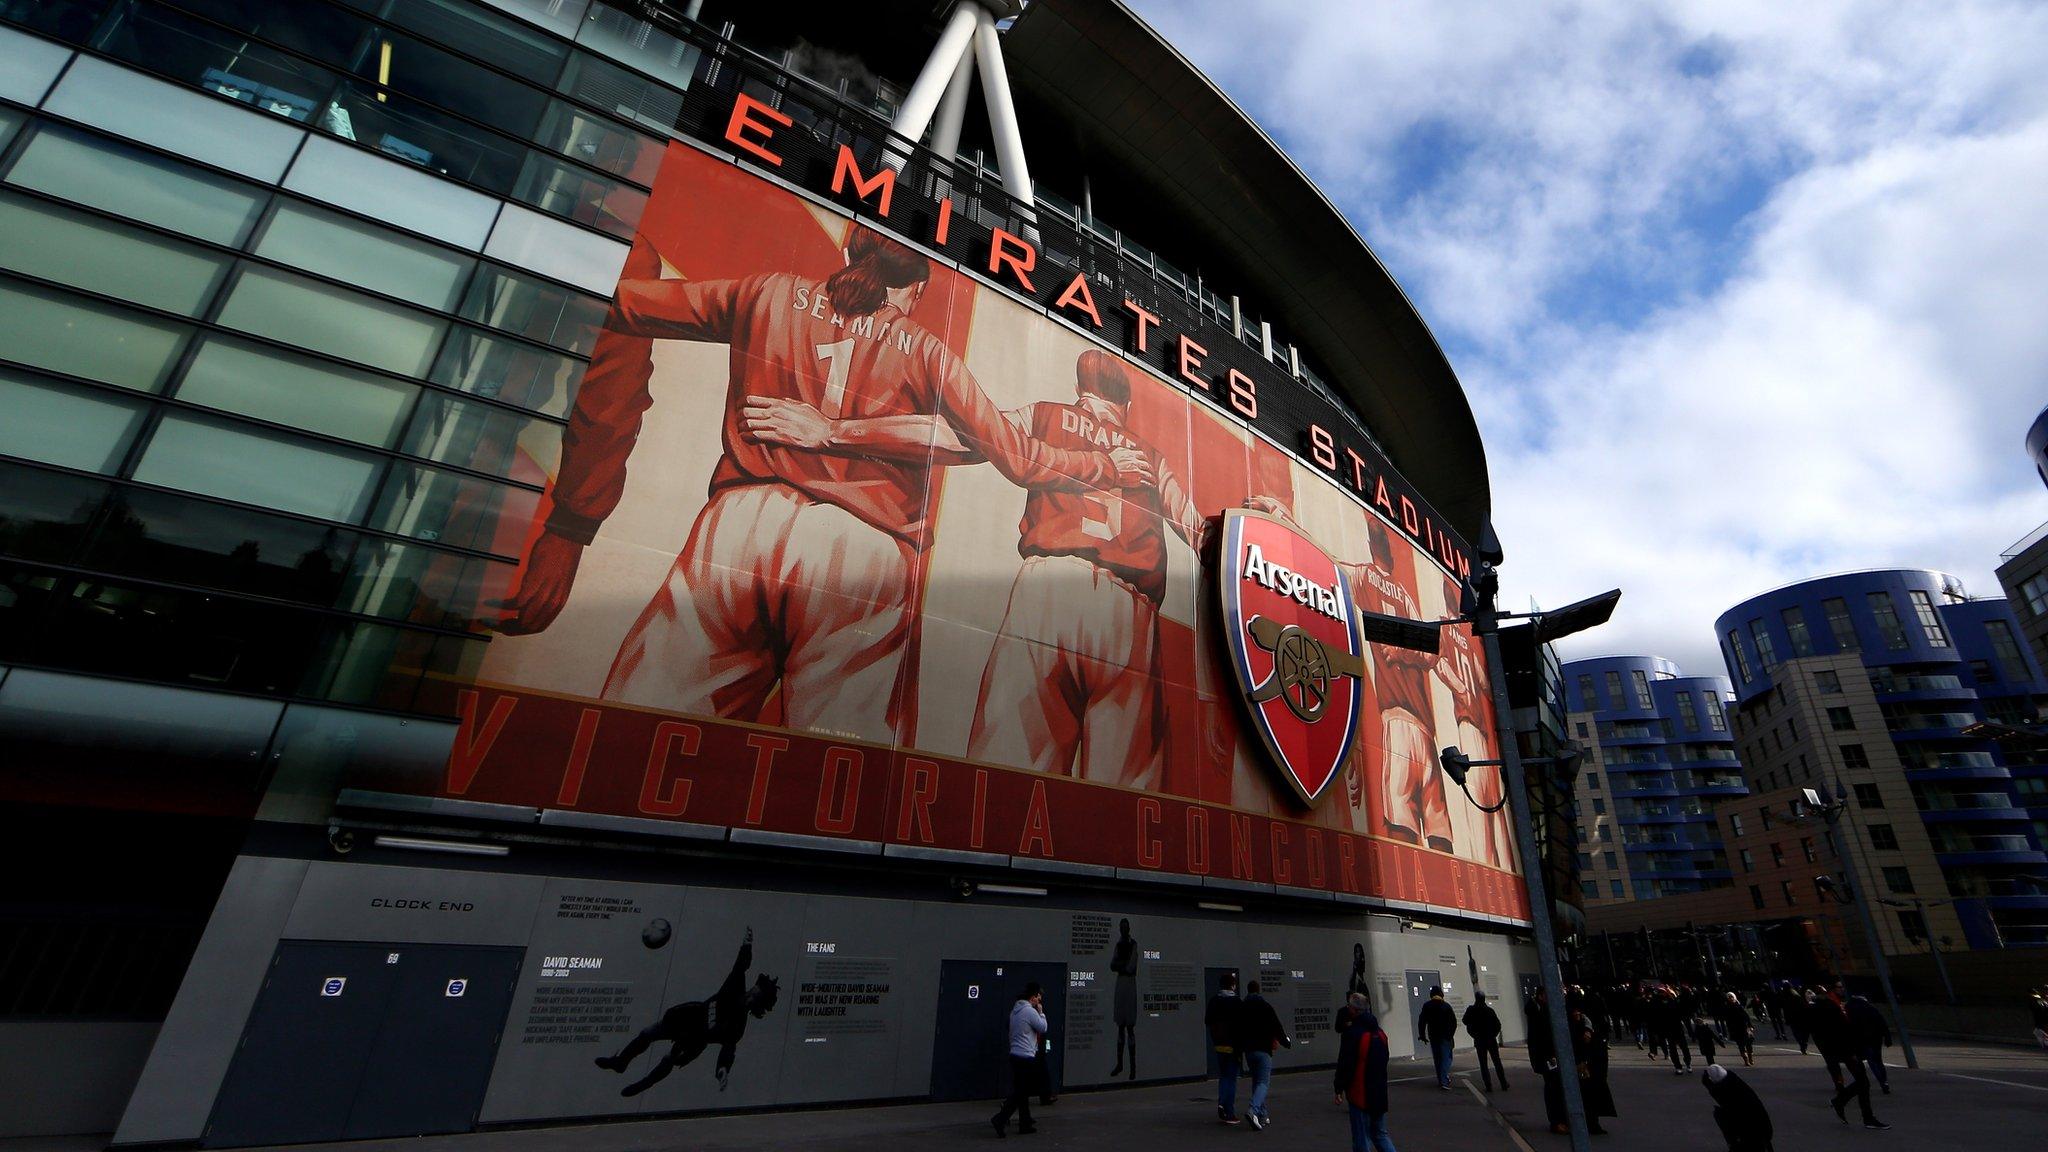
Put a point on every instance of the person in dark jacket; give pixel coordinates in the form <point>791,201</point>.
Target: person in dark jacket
<point>1703,1035</point>
<point>1362,1083</point>
<point>2037,1013</point>
<point>1543,1058</point>
<point>1259,1035</point>
<point>1438,1028</point>
<point>1355,1005</point>
<point>1799,1016</point>
<point>1836,1039</point>
<point>1873,1035</point>
<point>1775,1000</point>
<point>1589,1053</point>
<point>1220,1018</point>
<point>1738,1111</point>
<point>1482,1023</point>
<point>1669,1021</point>
<point>1741,1028</point>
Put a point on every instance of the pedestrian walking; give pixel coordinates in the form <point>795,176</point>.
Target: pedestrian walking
<point>1741,1028</point>
<point>1438,1028</point>
<point>1836,1039</point>
<point>1799,1015</point>
<point>1220,1019</point>
<point>2039,1012</point>
<point>1259,1035</point>
<point>1873,1035</point>
<point>1355,1005</point>
<point>1671,1022</point>
<point>1362,1083</point>
<point>1775,1004</point>
<point>1589,1054</point>
<point>1027,1027</point>
<point>1482,1023</point>
<point>1738,1111</point>
<point>1543,1057</point>
<point>1704,1036</point>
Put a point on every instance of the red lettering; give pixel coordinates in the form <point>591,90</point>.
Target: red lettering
<point>743,121</point>
<point>979,826</point>
<point>1357,469</point>
<point>765,750</point>
<point>848,170</point>
<point>1037,824</point>
<point>1322,446</point>
<point>471,746</point>
<point>1014,253</point>
<point>1381,498</point>
<point>1198,841</point>
<point>657,796</point>
<point>1347,864</point>
<point>945,221</point>
<point>1080,299</point>
<point>920,788</point>
<point>1318,867</point>
<point>1421,865</point>
<point>1190,358</point>
<point>579,758</point>
<point>1149,847</point>
<point>1144,320</point>
<point>1241,847</point>
<point>1244,394</point>
<point>1276,845</point>
<point>839,803</point>
<point>1408,517</point>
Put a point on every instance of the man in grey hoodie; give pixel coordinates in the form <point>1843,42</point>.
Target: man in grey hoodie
<point>1027,1031</point>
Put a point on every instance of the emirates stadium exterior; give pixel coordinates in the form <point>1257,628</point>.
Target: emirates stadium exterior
<point>572,559</point>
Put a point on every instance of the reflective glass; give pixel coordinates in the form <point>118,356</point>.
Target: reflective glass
<point>530,240</point>
<point>558,16</point>
<point>186,540</point>
<point>73,248</point>
<point>326,319</point>
<point>81,337</point>
<point>562,189</point>
<point>374,665</point>
<point>353,252</point>
<point>319,751</point>
<point>394,192</point>
<point>76,724</point>
<point>535,309</point>
<point>258,467</point>
<point>175,119</point>
<point>329,35</point>
<point>485,438</point>
<point>65,424</point>
<point>28,64</point>
<point>46,514</point>
<point>623,93</point>
<point>505,44</point>
<point>630,40</point>
<point>601,143</point>
<point>403,65</point>
<point>9,121</point>
<point>268,384</point>
<point>462,511</point>
<point>510,371</point>
<point>425,585</point>
<point>419,134</point>
<point>138,185</point>
<point>223,62</point>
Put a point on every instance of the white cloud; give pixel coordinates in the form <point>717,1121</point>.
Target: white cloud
<point>1690,403</point>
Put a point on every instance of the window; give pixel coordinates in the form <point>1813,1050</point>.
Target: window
<point>1867,796</point>
<point>1882,836</point>
<point>2034,594</point>
<point>1688,712</point>
<point>1777,855</point>
<point>1588,693</point>
<point>1795,630</point>
<point>1585,861</point>
<point>82,251</point>
<point>387,189</point>
<point>1590,889</point>
<point>1615,889</point>
<point>137,185</point>
<point>1764,814</point>
<point>1766,652</point>
<point>1980,672</point>
<point>1716,718</point>
<point>1839,625</point>
<point>1581,830</point>
<point>1607,833</point>
<point>1734,824</point>
<point>1642,686</point>
<point>1853,756</point>
<point>1599,807</point>
<point>1777,742</point>
<point>250,380</point>
<point>1827,681</point>
<point>177,119</point>
<point>1912,923</point>
<point>1770,783</point>
<point>1748,859</point>
<point>1592,781</point>
<point>1785,889</point>
<point>1614,697</point>
<point>332,320</point>
<point>1582,729</point>
<point>78,337</point>
<point>1898,879</point>
<point>2012,664</point>
<point>257,467</point>
<point>1841,720</point>
<point>1930,622</point>
<point>340,248</point>
<point>1737,657</point>
<point>1887,615</point>
<point>1806,849</point>
<point>1756,895</point>
<point>1611,859</point>
<point>1805,769</point>
<point>64,424</point>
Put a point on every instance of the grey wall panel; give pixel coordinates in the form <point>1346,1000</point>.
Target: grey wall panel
<point>59,1078</point>
<point>379,902</point>
<point>175,1094</point>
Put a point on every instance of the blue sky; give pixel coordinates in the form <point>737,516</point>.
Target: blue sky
<point>1742,291</point>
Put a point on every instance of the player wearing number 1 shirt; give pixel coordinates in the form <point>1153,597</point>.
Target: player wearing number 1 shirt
<point>798,572</point>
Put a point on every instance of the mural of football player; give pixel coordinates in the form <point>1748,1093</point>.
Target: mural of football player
<point>1463,671</point>
<point>797,575</point>
<point>694,1025</point>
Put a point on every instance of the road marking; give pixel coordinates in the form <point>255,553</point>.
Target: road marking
<point>1988,1080</point>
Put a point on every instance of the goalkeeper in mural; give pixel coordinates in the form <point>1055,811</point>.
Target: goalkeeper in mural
<point>694,1025</point>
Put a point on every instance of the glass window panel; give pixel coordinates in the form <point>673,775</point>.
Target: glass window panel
<point>364,255</point>
<point>72,723</point>
<point>101,256</point>
<point>326,34</point>
<point>219,60</point>
<point>9,121</point>
<point>175,119</point>
<point>528,239</point>
<point>28,64</point>
<point>462,511</point>
<point>187,540</point>
<point>426,585</point>
<point>65,424</point>
<point>46,514</point>
<point>138,185</point>
<point>485,438</point>
<point>267,384</point>
<point>81,337</point>
<point>400,64</point>
<point>535,309</point>
<point>258,467</point>
<point>405,129</point>
<point>627,95</point>
<point>601,143</point>
<point>505,44</point>
<point>331,320</point>
<point>374,665</point>
<point>558,16</point>
<point>392,192</point>
<point>319,751</point>
<point>639,44</point>
<point>562,189</point>
<point>510,371</point>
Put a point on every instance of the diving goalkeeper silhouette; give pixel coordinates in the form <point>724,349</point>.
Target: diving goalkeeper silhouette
<point>694,1025</point>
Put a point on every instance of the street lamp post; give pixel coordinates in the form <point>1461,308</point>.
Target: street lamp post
<point>1831,809</point>
<point>1933,945</point>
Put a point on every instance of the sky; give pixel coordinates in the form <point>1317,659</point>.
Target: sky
<point>1741,291</point>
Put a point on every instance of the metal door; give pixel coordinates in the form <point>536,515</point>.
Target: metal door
<point>971,1035</point>
<point>1420,981</point>
<point>432,1060</point>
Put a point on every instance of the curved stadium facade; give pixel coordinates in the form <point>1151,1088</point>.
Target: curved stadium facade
<point>572,560</point>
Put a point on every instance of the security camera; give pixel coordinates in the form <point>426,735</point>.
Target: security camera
<point>341,840</point>
<point>963,887</point>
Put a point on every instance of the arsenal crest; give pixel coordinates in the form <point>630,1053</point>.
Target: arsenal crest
<point>1295,644</point>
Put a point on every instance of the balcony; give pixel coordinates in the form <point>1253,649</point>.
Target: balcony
<point>1957,848</point>
<point>1888,683</point>
<point>1915,720</point>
